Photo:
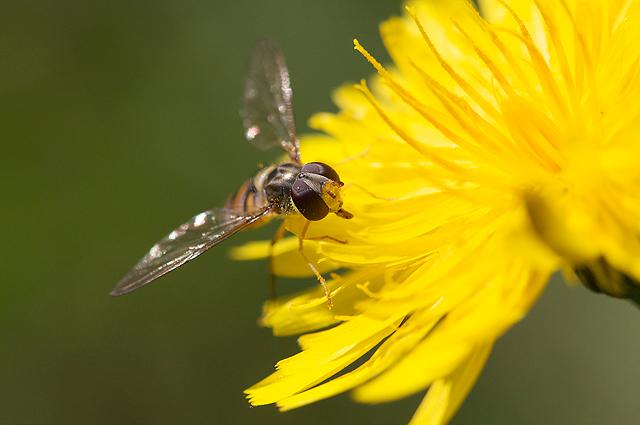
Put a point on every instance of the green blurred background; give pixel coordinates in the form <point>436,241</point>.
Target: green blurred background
<point>120,120</point>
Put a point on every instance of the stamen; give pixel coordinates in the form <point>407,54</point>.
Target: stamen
<point>545,76</point>
<point>364,287</point>
<point>535,141</point>
<point>552,34</point>
<point>487,132</point>
<point>506,53</point>
<point>420,147</point>
<point>586,57</point>
<point>462,82</point>
<point>495,71</point>
<point>579,35</point>
<point>418,107</point>
<point>466,116</point>
<point>464,173</point>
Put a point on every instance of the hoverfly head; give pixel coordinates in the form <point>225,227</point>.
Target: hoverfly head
<point>316,192</point>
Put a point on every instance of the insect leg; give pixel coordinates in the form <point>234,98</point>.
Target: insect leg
<point>360,155</point>
<point>313,268</point>
<point>272,275</point>
<point>327,238</point>
<point>368,192</point>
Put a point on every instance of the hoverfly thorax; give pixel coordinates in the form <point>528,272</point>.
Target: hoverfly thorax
<point>316,192</point>
<point>278,187</point>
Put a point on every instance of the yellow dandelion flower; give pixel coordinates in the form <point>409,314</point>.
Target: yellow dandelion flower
<point>498,149</point>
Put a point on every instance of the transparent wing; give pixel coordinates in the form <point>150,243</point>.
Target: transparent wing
<point>267,111</point>
<point>185,243</point>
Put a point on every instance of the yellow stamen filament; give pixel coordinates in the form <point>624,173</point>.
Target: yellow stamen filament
<point>468,88</point>
<point>545,76</point>
<point>551,33</point>
<point>484,57</point>
<point>420,147</point>
<point>467,118</point>
<point>421,109</point>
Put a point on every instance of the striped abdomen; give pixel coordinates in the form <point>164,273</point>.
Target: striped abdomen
<point>251,195</point>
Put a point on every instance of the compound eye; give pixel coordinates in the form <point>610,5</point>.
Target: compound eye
<point>322,169</point>
<point>307,201</point>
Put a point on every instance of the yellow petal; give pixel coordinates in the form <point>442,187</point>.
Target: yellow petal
<point>445,395</point>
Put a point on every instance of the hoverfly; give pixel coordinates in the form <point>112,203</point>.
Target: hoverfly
<point>311,190</point>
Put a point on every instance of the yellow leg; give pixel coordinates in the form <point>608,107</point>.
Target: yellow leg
<point>313,268</point>
<point>326,238</point>
<point>272,275</point>
<point>368,192</point>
